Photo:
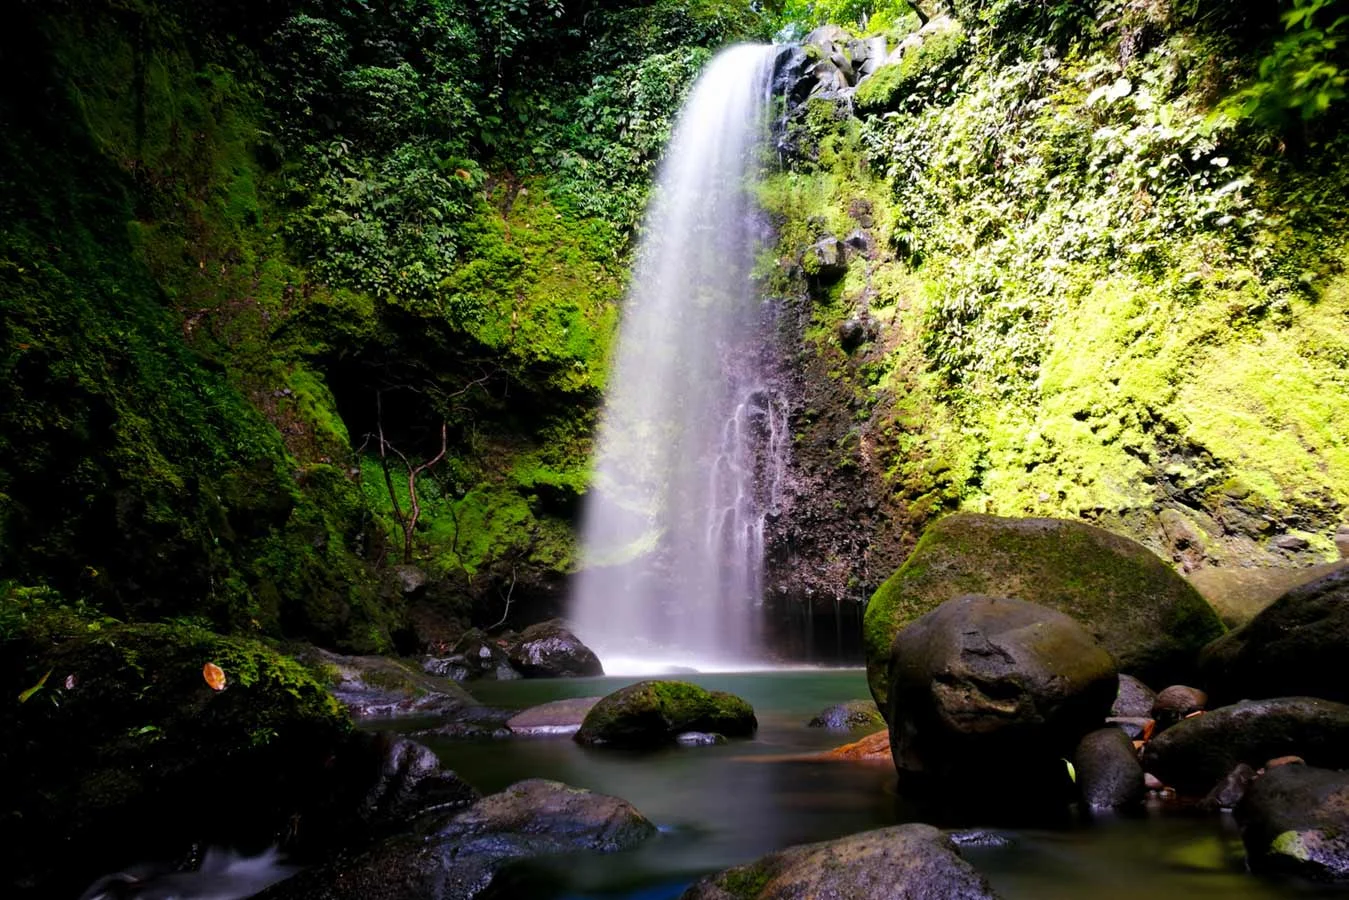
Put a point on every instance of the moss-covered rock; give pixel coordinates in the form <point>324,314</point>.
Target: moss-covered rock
<point>1146,615</point>
<point>119,749</point>
<point>653,713</point>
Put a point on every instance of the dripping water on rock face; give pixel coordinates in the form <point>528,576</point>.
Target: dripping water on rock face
<point>692,446</point>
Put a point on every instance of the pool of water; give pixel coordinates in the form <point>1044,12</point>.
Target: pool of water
<point>725,805</point>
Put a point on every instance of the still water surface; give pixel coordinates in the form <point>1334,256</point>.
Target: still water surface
<point>726,805</point>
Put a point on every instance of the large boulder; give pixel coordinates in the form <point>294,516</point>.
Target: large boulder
<point>1295,819</point>
<point>1193,755</point>
<point>120,743</point>
<point>654,713</point>
<point>1108,773</point>
<point>473,656</point>
<point>989,695</point>
<point>550,650</point>
<point>1147,616</point>
<point>905,862</point>
<point>1295,647</point>
<point>465,856</point>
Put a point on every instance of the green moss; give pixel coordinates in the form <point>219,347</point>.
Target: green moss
<point>744,882</point>
<point>652,713</point>
<point>917,75</point>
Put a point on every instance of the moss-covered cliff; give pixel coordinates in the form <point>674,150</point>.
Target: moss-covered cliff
<point>1092,268</point>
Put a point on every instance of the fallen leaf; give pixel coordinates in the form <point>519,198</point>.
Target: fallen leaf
<point>214,676</point>
<point>23,698</point>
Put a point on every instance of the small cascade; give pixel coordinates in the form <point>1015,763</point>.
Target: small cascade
<point>692,448</point>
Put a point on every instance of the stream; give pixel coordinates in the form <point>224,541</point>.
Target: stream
<point>725,805</point>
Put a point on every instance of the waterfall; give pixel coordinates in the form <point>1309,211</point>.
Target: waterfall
<point>693,440</point>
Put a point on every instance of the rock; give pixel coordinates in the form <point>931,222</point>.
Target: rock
<point>1240,594</point>
<point>791,77</point>
<point>1295,647</point>
<point>846,716</point>
<point>376,687</point>
<point>825,260</point>
<point>1342,540</point>
<point>561,717</point>
<point>549,650</point>
<point>989,695</point>
<point>474,656</point>
<point>126,752</point>
<point>1226,794</point>
<point>473,723</point>
<point>653,713</point>
<point>699,739</point>
<point>1295,819</point>
<point>1108,773</point>
<point>1135,729</point>
<point>855,331</point>
<point>1291,542</point>
<point>410,579</point>
<point>1176,702</point>
<point>872,748</point>
<point>1152,782</point>
<point>1147,616</point>
<point>465,856</point>
<point>829,38</point>
<point>1195,753</point>
<point>905,862</point>
<point>1133,700</point>
<point>829,78</point>
<point>411,781</point>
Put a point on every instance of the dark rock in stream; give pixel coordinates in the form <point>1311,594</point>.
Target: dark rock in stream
<point>847,716</point>
<point>411,781</point>
<point>988,697</point>
<point>1177,702</point>
<point>561,717</point>
<point>466,856</point>
<point>376,687</point>
<point>1133,700</point>
<point>550,650</point>
<point>473,656</point>
<point>1193,755</point>
<point>1296,647</point>
<point>1108,773</point>
<point>654,713</point>
<point>699,739</point>
<point>1295,819</point>
<point>905,862</point>
<point>1227,793</point>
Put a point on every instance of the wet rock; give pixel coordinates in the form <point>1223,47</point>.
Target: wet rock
<point>465,856</point>
<point>855,331</point>
<point>828,38</point>
<point>1152,782</point>
<point>1133,700</point>
<point>989,695</point>
<point>1176,702</point>
<point>905,862</point>
<point>1295,819</point>
<point>1108,773</point>
<point>1226,794</point>
<point>846,716</point>
<point>1195,753</point>
<point>1140,610</point>
<point>411,781</point>
<point>1240,594</point>
<point>653,713</point>
<point>550,650</point>
<point>561,717</point>
<point>474,723</point>
<point>699,739</point>
<point>978,837</point>
<point>829,78</point>
<point>1136,729</point>
<point>473,656</point>
<point>872,748</point>
<point>1295,647</point>
<point>376,687</point>
<point>791,76</point>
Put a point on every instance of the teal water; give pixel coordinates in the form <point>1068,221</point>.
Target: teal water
<point>726,805</point>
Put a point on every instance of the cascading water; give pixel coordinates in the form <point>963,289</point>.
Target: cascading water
<point>693,442</point>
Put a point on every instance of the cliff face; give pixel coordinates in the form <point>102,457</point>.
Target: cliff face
<point>1054,268</point>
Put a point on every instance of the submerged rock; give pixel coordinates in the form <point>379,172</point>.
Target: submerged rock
<point>699,739</point>
<point>464,856</point>
<point>1295,819</point>
<point>1296,647</point>
<point>652,713</point>
<point>550,650</point>
<point>561,717</point>
<point>905,862</point>
<point>989,695</point>
<point>1147,616</point>
<point>847,716</point>
<point>1193,755</point>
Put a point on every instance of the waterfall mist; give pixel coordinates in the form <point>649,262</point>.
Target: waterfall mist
<point>692,445</point>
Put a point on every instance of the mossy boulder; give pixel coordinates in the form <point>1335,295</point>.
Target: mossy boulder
<point>118,749</point>
<point>1149,618</point>
<point>899,862</point>
<point>655,713</point>
<point>1295,820</point>
<point>376,687</point>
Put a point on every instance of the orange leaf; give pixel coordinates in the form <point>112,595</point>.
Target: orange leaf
<point>463,174</point>
<point>214,675</point>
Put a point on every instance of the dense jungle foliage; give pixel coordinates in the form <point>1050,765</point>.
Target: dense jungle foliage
<point>306,305</point>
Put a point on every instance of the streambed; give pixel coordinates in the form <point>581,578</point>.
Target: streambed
<point>724,805</point>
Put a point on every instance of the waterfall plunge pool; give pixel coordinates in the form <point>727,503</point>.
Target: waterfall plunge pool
<point>725,805</point>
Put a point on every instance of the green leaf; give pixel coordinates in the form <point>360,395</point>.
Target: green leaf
<point>23,698</point>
